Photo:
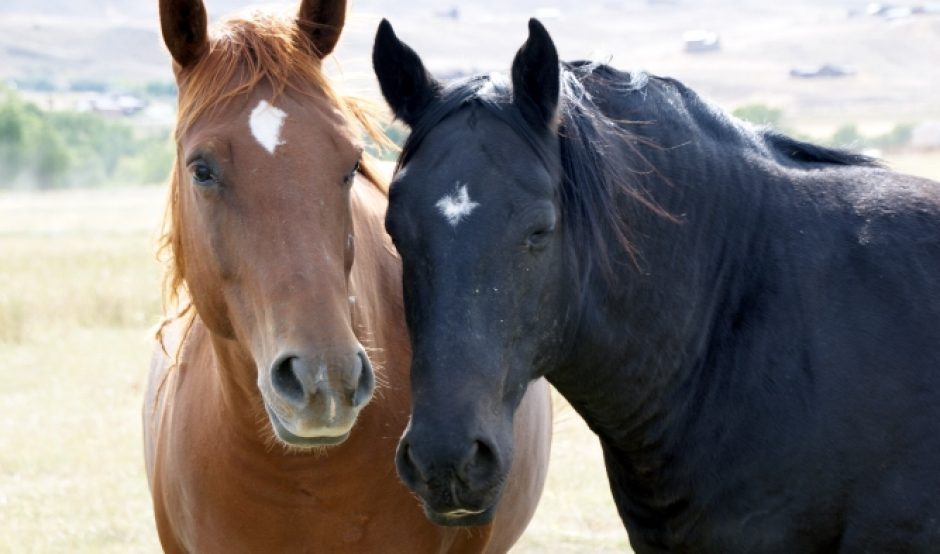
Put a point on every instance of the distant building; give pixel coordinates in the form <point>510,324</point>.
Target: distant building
<point>112,105</point>
<point>821,70</point>
<point>701,41</point>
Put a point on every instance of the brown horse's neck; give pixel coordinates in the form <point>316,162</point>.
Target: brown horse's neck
<point>375,284</point>
<point>374,296</point>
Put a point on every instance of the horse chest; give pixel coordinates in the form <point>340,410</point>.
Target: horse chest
<point>217,497</point>
<point>213,508</point>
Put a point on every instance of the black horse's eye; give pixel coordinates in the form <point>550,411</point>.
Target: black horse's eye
<point>202,174</point>
<point>538,239</point>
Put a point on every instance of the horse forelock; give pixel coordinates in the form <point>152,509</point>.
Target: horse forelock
<point>246,51</point>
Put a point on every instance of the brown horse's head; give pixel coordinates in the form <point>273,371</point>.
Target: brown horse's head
<point>259,223</point>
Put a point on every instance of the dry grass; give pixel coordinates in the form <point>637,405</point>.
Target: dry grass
<point>576,512</point>
<point>78,295</point>
<point>78,291</point>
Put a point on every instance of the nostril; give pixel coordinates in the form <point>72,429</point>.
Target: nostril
<point>480,462</point>
<point>365,385</point>
<point>285,381</point>
<point>408,468</point>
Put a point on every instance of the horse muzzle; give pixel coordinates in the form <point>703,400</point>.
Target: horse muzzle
<point>314,401</point>
<point>457,488</point>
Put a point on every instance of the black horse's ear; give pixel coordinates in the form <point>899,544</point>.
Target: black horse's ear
<point>184,25</point>
<point>536,77</point>
<point>406,85</point>
<point>322,22</point>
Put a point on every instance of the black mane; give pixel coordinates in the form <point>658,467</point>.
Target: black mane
<point>807,153</point>
<point>596,185</point>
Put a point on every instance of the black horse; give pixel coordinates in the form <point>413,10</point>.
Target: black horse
<point>750,323</point>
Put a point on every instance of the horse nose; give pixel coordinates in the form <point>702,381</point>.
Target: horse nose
<point>411,471</point>
<point>365,383</point>
<point>474,465</point>
<point>287,383</point>
<point>298,380</point>
<point>480,464</point>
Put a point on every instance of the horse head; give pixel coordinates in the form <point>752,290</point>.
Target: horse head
<point>260,229</point>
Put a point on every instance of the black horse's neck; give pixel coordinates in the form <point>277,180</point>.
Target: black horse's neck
<point>645,355</point>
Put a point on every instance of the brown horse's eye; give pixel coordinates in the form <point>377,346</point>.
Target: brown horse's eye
<point>202,174</point>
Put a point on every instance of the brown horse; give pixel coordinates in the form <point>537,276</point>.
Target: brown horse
<point>261,429</point>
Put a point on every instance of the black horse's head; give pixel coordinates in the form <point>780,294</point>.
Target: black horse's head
<point>475,213</point>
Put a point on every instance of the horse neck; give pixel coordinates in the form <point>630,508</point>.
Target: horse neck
<point>636,369</point>
<point>375,286</point>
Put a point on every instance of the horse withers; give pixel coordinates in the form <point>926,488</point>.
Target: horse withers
<point>275,402</point>
<point>750,323</point>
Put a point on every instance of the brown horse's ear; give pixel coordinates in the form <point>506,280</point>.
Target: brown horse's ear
<point>322,22</point>
<point>184,25</point>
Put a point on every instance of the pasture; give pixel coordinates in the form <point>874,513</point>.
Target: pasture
<point>79,297</point>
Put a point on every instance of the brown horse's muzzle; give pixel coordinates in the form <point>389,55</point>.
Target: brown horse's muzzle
<point>314,400</point>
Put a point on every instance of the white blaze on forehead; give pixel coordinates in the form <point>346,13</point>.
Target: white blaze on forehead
<point>456,206</point>
<point>265,122</point>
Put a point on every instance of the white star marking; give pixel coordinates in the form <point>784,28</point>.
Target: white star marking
<point>265,123</point>
<point>454,207</point>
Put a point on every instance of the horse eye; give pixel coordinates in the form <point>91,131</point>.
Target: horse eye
<point>202,174</point>
<point>538,239</point>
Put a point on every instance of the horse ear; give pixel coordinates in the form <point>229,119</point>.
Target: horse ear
<point>406,85</point>
<point>536,77</point>
<point>322,22</point>
<point>184,26</point>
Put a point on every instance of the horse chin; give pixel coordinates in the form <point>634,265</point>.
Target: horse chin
<point>296,441</point>
<point>460,518</point>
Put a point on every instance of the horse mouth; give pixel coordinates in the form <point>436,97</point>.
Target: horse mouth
<point>460,517</point>
<point>283,434</point>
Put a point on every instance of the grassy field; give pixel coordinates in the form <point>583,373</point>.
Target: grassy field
<point>78,298</point>
<point>78,292</point>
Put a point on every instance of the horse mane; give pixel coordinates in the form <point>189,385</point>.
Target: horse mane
<point>244,51</point>
<point>808,153</point>
<point>595,183</point>
<point>596,179</point>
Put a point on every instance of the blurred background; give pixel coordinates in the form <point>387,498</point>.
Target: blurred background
<point>87,103</point>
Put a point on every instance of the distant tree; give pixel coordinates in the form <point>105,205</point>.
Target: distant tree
<point>55,149</point>
<point>160,88</point>
<point>15,124</point>
<point>52,159</point>
<point>88,85</point>
<point>760,114</point>
<point>897,137</point>
<point>11,141</point>
<point>91,135</point>
<point>847,136</point>
<point>38,84</point>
